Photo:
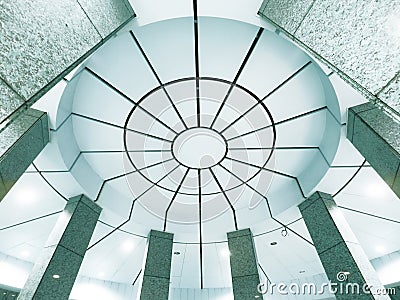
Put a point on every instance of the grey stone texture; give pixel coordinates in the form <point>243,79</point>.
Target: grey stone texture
<point>376,135</point>
<point>63,253</point>
<point>358,38</point>
<point>40,39</point>
<point>20,143</point>
<point>338,248</point>
<point>9,100</point>
<point>288,13</point>
<point>107,15</point>
<point>244,266</point>
<point>157,272</point>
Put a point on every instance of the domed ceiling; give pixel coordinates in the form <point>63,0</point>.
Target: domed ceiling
<point>200,136</point>
<point>196,128</point>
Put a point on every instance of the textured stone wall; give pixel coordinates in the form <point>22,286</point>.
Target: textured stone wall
<point>20,143</point>
<point>43,40</point>
<point>377,136</point>
<point>359,39</point>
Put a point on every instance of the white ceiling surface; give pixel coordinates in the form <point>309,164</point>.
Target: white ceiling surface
<point>32,197</point>
<point>90,96</point>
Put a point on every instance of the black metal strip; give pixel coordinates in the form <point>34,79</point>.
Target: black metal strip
<point>44,178</point>
<point>196,58</point>
<point>31,220</point>
<point>128,173</point>
<point>351,178</point>
<point>279,228</point>
<point>200,230</point>
<point>247,57</point>
<point>268,95</point>
<point>61,171</point>
<point>275,148</point>
<point>157,78</point>
<point>271,171</point>
<point>226,198</point>
<point>121,127</point>
<point>126,97</point>
<point>368,214</point>
<point>61,125</point>
<point>122,230</point>
<point>173,198</point>
<point>131,210</point>
<point>136,278</point>
<point>122,151</point>
<point>265,274</point>
<point>280,122</point>
<point>269,207</point>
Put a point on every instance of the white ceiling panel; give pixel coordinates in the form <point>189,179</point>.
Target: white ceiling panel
<point>275,54</point>
<point>129,73</point>
<point>220,54</point>
<point>160,42</point>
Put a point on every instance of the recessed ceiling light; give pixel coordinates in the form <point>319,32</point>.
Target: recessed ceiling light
<point>127,246</point>
<point>25,196</point>
<point>380,249</point>
<point>257,296</point>
<point>377,190</point>
<point>56,276</point>
<point>25,253</point>
<point>177,253</point>
<point>274,243</point>
<point>225,252</point>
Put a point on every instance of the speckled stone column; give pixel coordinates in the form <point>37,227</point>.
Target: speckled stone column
<point>351,49</point>
<point>338,249</point>
<point>20,143</point>
<point>244,266</point>
<point>44,40</point>
<point>377,136</point>
<point>157,272</point>
<point>54,273</point>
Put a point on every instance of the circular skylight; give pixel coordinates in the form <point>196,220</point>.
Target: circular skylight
<point>199,148</point>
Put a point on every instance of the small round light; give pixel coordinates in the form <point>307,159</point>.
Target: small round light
<point>56,276</point>
<point>273,243</point>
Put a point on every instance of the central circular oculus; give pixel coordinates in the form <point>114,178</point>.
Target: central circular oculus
<point>199,148</point>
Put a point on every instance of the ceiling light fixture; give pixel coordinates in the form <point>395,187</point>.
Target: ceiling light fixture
<point>177,253</point>
<point>127,246</point>
<point>25,253</point>
<point>225,253</point>
<point>380,249</point>
<point>56,276</point>
<point>284,232</point>
<point>274,243</point>
<point>377,190</point>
